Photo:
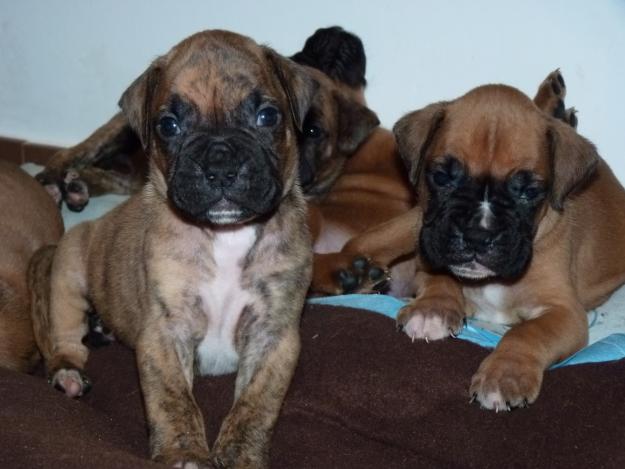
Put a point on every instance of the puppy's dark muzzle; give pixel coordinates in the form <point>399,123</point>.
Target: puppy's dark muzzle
<point>221,167</point>
<point>505,255</point>
<point>225,179</point>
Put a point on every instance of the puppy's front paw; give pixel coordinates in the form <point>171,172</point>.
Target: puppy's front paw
<point>431,318</point>
<point>504,381</point>
<point>71,381</point>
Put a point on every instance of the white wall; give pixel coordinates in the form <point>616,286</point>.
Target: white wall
<point>64,64</point>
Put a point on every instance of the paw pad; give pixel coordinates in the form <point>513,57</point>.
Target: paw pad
<point>363,275</point>
<point>71,381</point>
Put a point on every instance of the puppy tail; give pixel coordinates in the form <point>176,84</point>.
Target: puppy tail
<point>39,273</point>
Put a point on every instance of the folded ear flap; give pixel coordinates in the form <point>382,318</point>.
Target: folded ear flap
<point>573,161</point>
<point>355,123</point>
<point>297,84</point>
<point>414,134</point>
<point>136,102</point>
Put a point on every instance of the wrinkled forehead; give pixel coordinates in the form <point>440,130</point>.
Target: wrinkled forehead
<point>218,77</point>
<point>495,140</point>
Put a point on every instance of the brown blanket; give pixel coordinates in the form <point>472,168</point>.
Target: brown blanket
<point>363,396</point>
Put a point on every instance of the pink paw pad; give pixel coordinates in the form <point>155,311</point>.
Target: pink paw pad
<point>71,381</point>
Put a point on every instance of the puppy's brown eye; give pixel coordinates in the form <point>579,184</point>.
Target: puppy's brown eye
<point>524,186</point>
<point>168,127</point>
<point>448,173</point>
<point>267,117</point>
<point>440,178</point>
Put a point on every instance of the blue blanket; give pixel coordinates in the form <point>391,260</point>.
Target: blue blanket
<point>609,348</point>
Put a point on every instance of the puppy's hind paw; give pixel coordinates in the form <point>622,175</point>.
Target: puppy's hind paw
<point>71,381</point>
<point>363,276</point>
<point>76,191</point>
<point>550,98</point>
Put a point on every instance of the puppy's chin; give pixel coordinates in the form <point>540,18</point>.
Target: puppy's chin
<point>221,213</point>
<point>471,271</point>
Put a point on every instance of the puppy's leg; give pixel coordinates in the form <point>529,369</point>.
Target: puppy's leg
<point>65,353</point>
<point>266,367</point>
<point>39,275</point>
<point>438,310</point>
<point>550,98</point>
<point>62,175</point>
<point>165,363</point>
<point>362,264</point>
<point>512,374</point>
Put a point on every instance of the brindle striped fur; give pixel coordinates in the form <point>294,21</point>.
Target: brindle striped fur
<point>145,269</point>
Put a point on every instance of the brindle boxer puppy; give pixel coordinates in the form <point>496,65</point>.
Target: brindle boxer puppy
<point>371,188</point>
<point>206,269</point>
<point>111,159</point>
<point>29,221</point>
<point>526,217</point>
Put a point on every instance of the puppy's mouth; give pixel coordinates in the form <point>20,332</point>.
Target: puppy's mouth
<point>226,212</point>
<point>471,271</point>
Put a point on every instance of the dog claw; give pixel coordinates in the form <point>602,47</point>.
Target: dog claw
<point>427,341</point>
<point>473,398</point>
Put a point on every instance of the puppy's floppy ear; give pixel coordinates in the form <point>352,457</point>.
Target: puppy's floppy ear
<point>355,123</point>
<point>297,84</point>
<point>573,161</point>
<point>414,134</point>
<point>136,102</point>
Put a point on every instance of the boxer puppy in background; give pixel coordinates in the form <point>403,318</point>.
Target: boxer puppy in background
<point>206,269</point>
<point>350,170</point>
<point>521,222</point>
<point>395,240</point>
<point>29,220</point>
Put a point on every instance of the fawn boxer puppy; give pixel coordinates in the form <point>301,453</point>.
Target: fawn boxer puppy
<point>394,240</point>
<point>28,221</point>
<point>205,270</point>
<point>522,224</point>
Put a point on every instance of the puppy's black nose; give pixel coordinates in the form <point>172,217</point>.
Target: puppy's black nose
<point>479,238</point>
<point>221,169</point>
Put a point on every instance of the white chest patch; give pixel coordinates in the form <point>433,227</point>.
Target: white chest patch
<point>489,303</point>
<point>493,303</point>
<point>223,300</point>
